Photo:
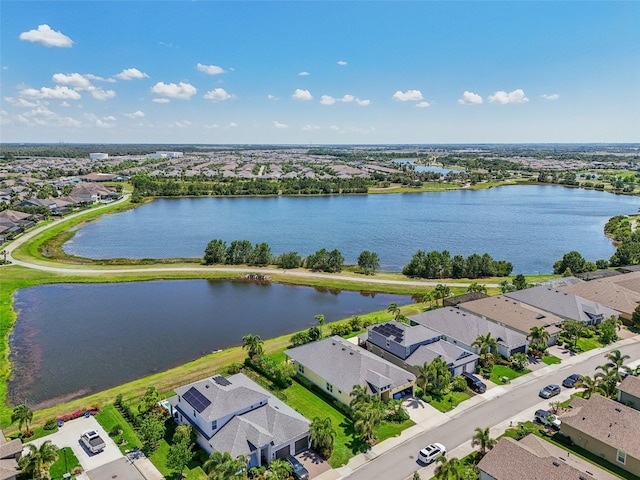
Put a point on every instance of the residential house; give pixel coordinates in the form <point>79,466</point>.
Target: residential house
<point>91,193</point>
<point>462,328</point>
<point>621,292</point>
<point>605,428</point>
<point>564,304</point>
<point>515,315</point>
<point>236,415</point>
<point>629,392</point>
<point>408,346</point>
<point>533,458</point>
<point>465,297</point>
<point>336,365</point>
<point>10,453</point>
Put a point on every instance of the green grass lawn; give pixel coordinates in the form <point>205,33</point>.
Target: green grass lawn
<point>192,472</point>
<point>500,371</point>
<point>586,344</point>
<point>445,404</point>
<point>550,360</point>
<point>108,418</point>
<point>58,469</point>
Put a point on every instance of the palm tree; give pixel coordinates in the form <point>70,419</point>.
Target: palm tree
<point>253,345</point>
<point>590,385</point>
<point>359,394</point>
<point>279,469</point>
<point>23,415</point>
<point>393,309</point>
<point>482,438</point>
<point>366,417</point>
<point>442,291</point>
<point>222,466</point>
<point>422,379</point>
<point>487,343</point>
<point>320,319</point>
<point>38,460</point>
<point>616,359</point>
<point>322,435</point>
<point>428,297</point>
<point>476,287</point>
<point>538,338</point>
<point>608,380</point>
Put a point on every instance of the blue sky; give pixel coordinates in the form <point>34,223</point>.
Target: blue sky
<point>328,72</point>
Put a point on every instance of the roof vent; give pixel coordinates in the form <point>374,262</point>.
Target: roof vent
<point>556,463</point>
<point>618,409</point>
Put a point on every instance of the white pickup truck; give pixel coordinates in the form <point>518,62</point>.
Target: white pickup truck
<point>93,441</point>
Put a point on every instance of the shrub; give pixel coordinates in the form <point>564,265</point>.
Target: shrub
<point>116,430</point>
<point>50,424</point>
<point>234,368</point>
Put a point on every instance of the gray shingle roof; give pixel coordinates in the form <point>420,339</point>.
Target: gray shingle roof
<point>343,365</point>
<point>630,385</point>
<point>621,292</point>
<point>451,354</point>
<point>563,304</point>
<point>410,334</point>
<point>607,421</point>
<point>465,326</point>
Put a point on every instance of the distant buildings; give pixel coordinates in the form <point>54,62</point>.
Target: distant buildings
<point>161,154</point>
<point>98,156</point>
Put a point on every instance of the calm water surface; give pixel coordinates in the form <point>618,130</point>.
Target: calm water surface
<point>115,333</point>
<point>530,226</point>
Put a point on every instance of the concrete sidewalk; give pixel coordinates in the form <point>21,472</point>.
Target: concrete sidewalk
<point>427,417</point>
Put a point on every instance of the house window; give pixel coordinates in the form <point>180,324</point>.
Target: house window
<point>388,343</point>
<point>622,457</point>
<point>194,413</point>
<point>214,425</point>
<point>301,368</point>
<point>329,387</point>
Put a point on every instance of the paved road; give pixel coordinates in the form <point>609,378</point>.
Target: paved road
<point>69,269</point>
<point>400,462</point>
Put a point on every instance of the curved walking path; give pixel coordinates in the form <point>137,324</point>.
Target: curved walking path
<point>58,267</point>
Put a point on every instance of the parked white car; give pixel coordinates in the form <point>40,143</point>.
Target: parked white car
<point>547,418</point>
<point>93,441</point>
<point>429,453</point>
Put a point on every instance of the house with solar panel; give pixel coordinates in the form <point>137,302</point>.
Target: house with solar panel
<point>411,345</point>
<point>335,365</point>
<point>236,415</point>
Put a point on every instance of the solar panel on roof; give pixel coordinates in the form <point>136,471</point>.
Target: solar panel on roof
<point>196,399</point>
<point>220,380</point>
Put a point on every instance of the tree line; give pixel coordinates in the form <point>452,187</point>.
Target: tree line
<point>436,264</point>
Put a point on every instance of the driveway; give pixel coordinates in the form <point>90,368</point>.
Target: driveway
<point>69,436</point>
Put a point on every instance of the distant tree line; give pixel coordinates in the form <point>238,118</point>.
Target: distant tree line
<point>241,252</point>
<point>436,264</point>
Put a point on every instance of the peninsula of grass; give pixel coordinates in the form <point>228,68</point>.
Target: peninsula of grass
<point>550,360</point>
<point>499,371</point>
<point>449,401</point>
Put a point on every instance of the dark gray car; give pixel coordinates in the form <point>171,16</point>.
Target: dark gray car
<point>298,470</point>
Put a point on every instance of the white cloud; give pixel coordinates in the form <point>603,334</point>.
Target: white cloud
<point>65,104</point>
<point>210,69</point>
<point>181,91</point>
<point>100,94</point>
<point>161,100</point>
<point>104,122</point>
<point>20,102</point>
<point>334,127</point>
<point>181,124</point>
<point>233,124</point>
<point>342,63</point>
<point>136,114</point>
<point>279,125</point>
<point>470,98</point>
<point>409,95</point>
<point>90,76</point>
<point>348,98</point>
<point>303,74</point>
<point>327,100</point>
<point>423,104</point>
<point>131,74</point>
<point>363,103</point>
<point>272,97</point>
<point>310,128</point>
<point>211,125</point>
<point>502,97</point>
<point>43,117</point>
<point>46,36</point>
<point>300,94</point>
<point>552,96</point>
<point>74,80</point>
<point>218,95</point>
<point>56,92</point>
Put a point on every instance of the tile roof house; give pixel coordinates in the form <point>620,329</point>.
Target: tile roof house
<point>236,415</point>
<point>533,458</point>
<point>462,328</point>
<point>408,346</point>
<point>564,304</point>
<point>629,392</point>
<point>10,453</point>
<point>336,365</point>
<point>605,428</point>
<point>514,314</point>
<point>92,193</point>
<point>621,293</point>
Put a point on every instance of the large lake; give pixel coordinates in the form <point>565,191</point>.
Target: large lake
<point>530,226</point>
<point>71,340</point>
